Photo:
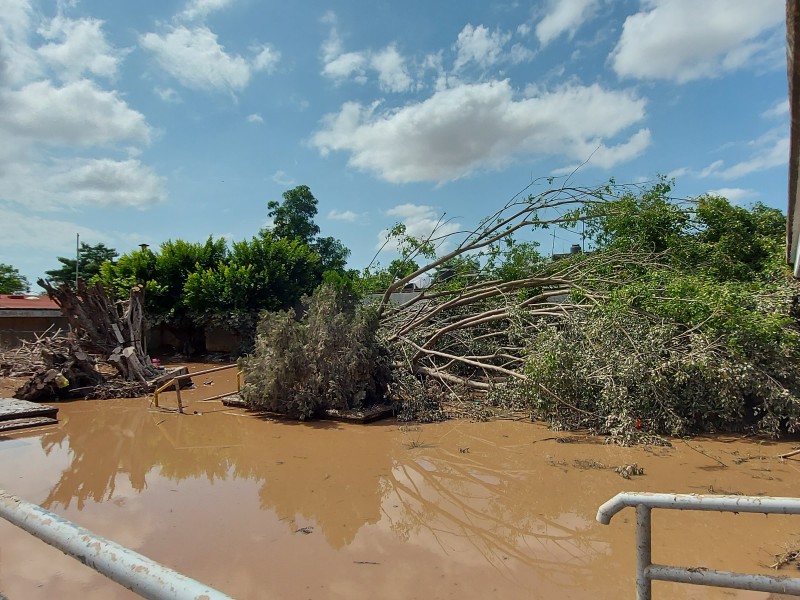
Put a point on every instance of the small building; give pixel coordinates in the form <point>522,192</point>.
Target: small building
<point>24,316</point>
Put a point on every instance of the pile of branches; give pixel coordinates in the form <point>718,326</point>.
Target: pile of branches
<point>565,343</point>
<point>104,333</point>
<point>25,359</point>
<point>464,337</point>
<point>58,368</point>
<point>109,329</point>
<point>672,325</point>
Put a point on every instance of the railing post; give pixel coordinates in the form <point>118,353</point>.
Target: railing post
<point>643,553</point>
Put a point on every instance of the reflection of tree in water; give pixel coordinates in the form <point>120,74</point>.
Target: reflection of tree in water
<point>337,480</point>
<point>102,445</point>
<point>460,501</point>
<point>334,480</point>
<point>107,441</point>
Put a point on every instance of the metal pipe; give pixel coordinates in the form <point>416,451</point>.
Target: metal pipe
<point>212,370</point>
<point>644,587</point>
<point>739,581</point>
<point>739,504</point>
<point>137,573</point>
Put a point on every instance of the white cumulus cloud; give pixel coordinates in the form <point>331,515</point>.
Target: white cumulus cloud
<point>777,110</point>
<point>197,60</point>
<point>63,133</point>
<point>282,178</point>
<point>684,40</point>
<point>200,9</point>
<point>735,195</point>
<point>469,127</point>
<point>22,230</point>
<point>771,150</point>
<point>75,113</point>
<point>421,221</point>
<point>388,64</point>
<point>342,215</point>
<point>391,68</point>
<point>564,16</point>
<point>479,45</point>
<point>78,46</point>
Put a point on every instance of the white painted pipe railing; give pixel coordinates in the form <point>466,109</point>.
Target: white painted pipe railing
<point>646,572</point>
<point>130,569</point>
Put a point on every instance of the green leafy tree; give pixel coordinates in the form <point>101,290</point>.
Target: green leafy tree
<point>165,274</point>
<point>399,268</point>
<point>11,281</point>
<point>91,261</point>
<point>294,217</point>
<point>517,261</point>
<point>691,324</point>
<point>264,273</point>
<point>647,222</point>
<point>332,253</point>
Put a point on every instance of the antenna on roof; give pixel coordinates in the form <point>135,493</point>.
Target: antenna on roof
<point>77,258</point>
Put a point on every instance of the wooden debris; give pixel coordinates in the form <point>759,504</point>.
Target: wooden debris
<point>628,471</point>
<point>14,424</point>
<point>112,330</point>
<point>18,414</point>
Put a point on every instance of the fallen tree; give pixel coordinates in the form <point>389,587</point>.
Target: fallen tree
<point>681,319</point>
<point>65,366</point>
<point>112,330</point>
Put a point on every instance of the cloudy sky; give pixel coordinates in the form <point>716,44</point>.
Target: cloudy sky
<point>138,122</point>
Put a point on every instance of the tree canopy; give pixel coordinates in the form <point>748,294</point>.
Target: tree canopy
<point>11,281</point>
<point>90,263</point>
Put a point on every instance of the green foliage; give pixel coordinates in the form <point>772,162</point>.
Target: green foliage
<point>648,222</point>
<point>692,324</point>
<point>294,217</point>
<point>164,273</point>
<point>330,359</point>
<point>400,268</point>
<point>372,280</point>
<point>332,253</point>
<point>516,261</point>
<point>265,273</point>
<point>11,281</point>
<point>621,372</point>
<point>92,259</point>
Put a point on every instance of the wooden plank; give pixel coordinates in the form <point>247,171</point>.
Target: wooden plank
<point>13,424</point>
<point>359,416</point>
<point>12,408</point>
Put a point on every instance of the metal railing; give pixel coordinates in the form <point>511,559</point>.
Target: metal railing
<point>646,572</point>
<point>178,378</point>
<point>130,569</point>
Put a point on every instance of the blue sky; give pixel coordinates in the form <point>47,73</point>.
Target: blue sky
<point>138,122</point>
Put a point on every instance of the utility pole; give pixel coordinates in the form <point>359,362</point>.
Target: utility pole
<point>77,258</point>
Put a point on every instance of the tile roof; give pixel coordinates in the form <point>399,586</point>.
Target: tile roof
<point>26,302</point>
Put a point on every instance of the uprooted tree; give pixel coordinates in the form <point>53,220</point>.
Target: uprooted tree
<point>101,329</point>
<point>681,319</point>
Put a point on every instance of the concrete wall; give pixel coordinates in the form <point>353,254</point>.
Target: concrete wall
<point>219,339</point>
<point>17,328</point>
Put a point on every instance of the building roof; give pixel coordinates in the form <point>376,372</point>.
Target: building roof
<point>27,302</point>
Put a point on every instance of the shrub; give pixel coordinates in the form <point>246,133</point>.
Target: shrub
<point>329,359</point>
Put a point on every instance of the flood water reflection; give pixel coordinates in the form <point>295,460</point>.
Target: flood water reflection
<point>263,509</point>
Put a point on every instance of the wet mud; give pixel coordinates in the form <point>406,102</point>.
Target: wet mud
<point>272,509</point>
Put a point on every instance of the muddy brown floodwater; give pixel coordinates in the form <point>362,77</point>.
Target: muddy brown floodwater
<point>266,509</point>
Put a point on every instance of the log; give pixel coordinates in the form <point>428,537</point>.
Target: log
<point>107,328</point>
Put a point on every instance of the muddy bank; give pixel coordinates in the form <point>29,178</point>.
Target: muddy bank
<point>263,509</point>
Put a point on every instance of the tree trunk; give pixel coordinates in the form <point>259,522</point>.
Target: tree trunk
<point>112,330</point>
